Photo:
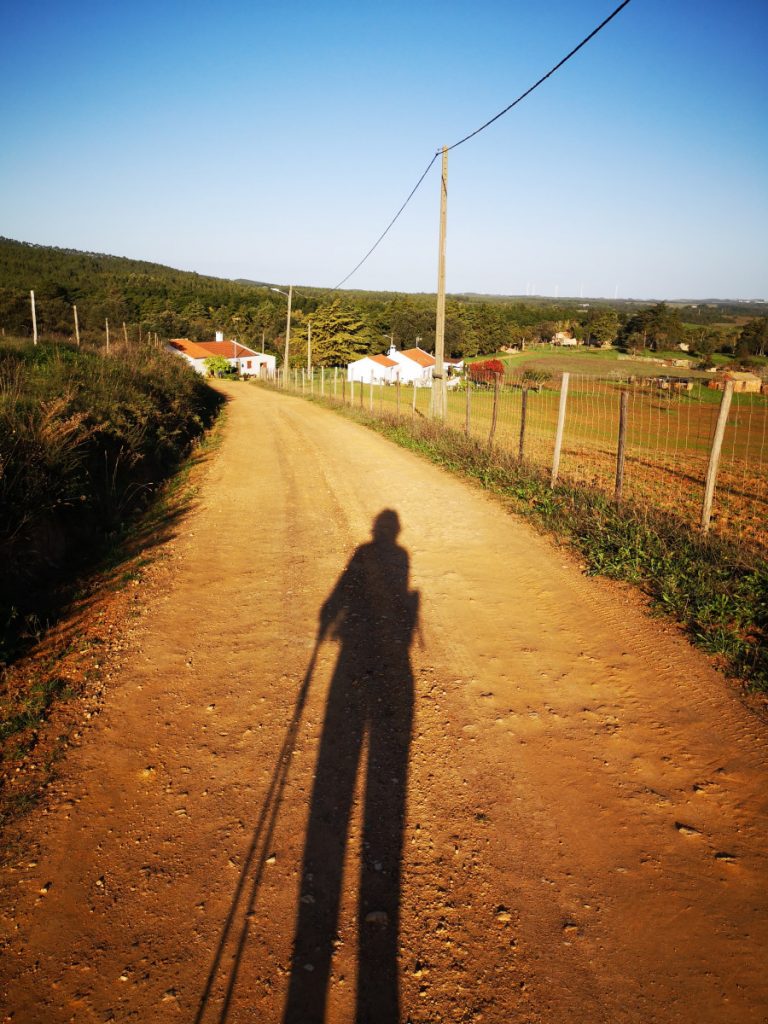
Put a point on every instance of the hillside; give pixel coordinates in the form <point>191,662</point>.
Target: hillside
<point>149,297</point>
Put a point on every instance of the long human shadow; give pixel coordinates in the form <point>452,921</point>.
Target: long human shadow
<point>373,613</point>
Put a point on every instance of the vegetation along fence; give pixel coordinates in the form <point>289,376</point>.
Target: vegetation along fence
<point>678,445</point>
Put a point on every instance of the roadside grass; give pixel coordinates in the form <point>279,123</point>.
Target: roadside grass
<point>85,441</point>
<point>716,589</point>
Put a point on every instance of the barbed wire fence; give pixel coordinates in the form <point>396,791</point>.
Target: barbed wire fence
<point>697,449</point>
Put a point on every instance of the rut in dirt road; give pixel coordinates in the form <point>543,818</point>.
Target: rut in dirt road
<point>382,754</point>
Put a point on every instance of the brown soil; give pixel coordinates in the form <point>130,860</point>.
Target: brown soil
<point>438,762</point>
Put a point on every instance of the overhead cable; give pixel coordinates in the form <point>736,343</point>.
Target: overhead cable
<point>477,131</point>
<point>543,78</point>
<point>385,232</point>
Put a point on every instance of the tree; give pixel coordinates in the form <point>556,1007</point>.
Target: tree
<point>339,335</point>
<point>218,366</point>
<point>602,326</point>
<point>754,338</point>
<point>704,343</point>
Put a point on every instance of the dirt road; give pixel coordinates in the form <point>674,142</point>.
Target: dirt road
<point>375,729</point>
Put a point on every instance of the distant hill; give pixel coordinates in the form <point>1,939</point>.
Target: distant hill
<point>150,297</point>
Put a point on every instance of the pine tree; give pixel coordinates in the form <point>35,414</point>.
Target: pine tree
<point>339,335</point>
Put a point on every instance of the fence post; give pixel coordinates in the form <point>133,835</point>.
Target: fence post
<point>495,413</point>
<point>468,415</point>
<point>106,328</point>
<point>125,334</point>
<point>623,406</point>
<point>560,426</point>
<point>370,396</point>
<point>34,317</point>
<point>714,456</point>
<point>322,382</point>
<point>523,417</point>
<point>413,409</point>
<point>77,327</point>
<point>397,385</point>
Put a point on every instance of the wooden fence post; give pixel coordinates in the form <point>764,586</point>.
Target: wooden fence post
<point>560,426</point>
<point>34,317</point>
<point>468,414</point>
<point>125,334</point>
<point>397,399</point>
<point>714,456</point>
<point>106,327</point>
<point>370,396</point>
<point>495,413</point>
<point>77,327</point>
<point>623,407</point>
<point>322,382</point>
<point>523,418</point>
<point>413,409</point>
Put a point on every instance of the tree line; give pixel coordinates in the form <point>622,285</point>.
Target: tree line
<point>151,298</point>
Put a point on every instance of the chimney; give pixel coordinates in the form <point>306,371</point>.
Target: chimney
<point>219,335</point>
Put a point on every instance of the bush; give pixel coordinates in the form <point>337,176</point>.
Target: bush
<point>84,441</point>
<point>486,372</point>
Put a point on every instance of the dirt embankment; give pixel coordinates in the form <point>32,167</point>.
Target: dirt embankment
<point>381,753</point>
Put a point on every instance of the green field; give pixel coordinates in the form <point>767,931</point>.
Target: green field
<point>668,438</point>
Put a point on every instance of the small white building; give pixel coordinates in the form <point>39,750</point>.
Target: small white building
<point>411,366</point>
<point>565,339</point>
<point>373,370</point>
<point>245,361</point>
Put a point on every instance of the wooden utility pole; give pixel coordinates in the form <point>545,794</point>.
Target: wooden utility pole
<point>288,329</point>
<point>77,327</point>
<point>106,325</point>
<point>437,404</point>
<point>34,318</point>
<point>714,456</point>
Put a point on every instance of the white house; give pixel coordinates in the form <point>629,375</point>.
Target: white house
<point>565,339</point>
<point>413,365</point>
<point>246,362</point>
<point>373,370</point>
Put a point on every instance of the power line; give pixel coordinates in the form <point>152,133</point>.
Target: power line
<point>477,131</point>
<point>543,78</point>
<point>391,223</point>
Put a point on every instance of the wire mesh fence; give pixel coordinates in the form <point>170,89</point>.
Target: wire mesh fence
<point>652,441</point>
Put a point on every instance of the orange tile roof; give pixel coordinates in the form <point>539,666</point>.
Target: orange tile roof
<point>228,349</point>
<point>418,355</point>
<point>205,349</point>
<point>189,348</point>
<point>383,360</point>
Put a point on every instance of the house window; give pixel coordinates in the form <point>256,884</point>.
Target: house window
<point>248,363</point>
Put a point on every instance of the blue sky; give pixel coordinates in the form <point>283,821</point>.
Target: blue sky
<point>275,142</point>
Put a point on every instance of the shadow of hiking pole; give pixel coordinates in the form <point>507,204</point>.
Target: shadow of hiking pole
<point>244,899</point>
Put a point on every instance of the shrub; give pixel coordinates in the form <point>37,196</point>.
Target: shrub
<point>84,441</point>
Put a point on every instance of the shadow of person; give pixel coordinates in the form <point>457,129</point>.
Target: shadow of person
<point>373,613</point>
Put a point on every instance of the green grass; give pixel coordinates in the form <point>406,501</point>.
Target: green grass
<point>717,590</point>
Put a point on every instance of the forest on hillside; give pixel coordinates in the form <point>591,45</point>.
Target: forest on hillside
<point>150,298</point>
